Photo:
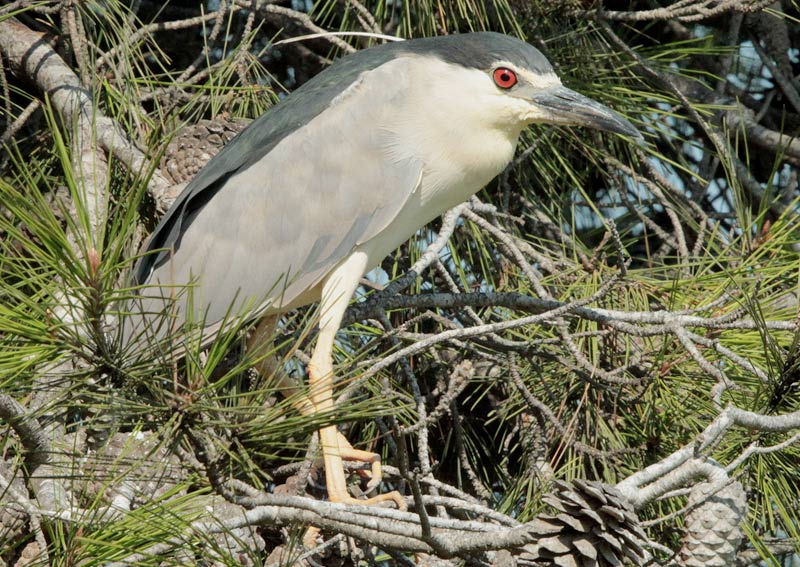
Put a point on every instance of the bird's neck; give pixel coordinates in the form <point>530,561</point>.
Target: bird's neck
<point>458,165</point>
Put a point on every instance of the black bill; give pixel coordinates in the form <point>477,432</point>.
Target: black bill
<point>570,107</point>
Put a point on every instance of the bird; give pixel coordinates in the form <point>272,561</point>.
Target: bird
<point>314,193</point>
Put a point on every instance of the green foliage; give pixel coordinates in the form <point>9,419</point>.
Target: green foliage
<point>604,406</point>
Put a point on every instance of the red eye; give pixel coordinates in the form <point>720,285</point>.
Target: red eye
<point>504,77</point>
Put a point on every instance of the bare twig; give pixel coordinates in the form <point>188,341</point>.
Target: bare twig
<point>633,486</point>
<point>685,11</point>
<point>30,433</point>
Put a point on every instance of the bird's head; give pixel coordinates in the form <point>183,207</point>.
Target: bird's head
<point>505,79</point>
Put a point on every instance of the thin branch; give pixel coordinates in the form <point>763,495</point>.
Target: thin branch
<point>685,11</point>
<point>632,487</point>
<point>30,433</point>
<point>755,448</point>
<point>383,527</point>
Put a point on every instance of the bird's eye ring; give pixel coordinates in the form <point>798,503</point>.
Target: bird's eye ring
<point>504,77</point>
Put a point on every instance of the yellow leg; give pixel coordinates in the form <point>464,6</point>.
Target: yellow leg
<point>375,474</point>
<point>336,294</point>
<point>334,454</point>
<point>270,365</point>
<point>337,291</point>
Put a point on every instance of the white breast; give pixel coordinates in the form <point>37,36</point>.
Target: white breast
<point>456,124</point>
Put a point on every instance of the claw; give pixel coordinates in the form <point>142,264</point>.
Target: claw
<point>375,474</point>
<point>310,537</point>
<point>335,448</point>
<point>393,496</point>
<point>375,480</point>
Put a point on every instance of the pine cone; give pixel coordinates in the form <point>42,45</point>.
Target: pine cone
<point>595,526</point>
<point>31,555</point>
<point>13,524</point>
<point>195,144</point>
<point>13,518</point>
<point>712,525</point>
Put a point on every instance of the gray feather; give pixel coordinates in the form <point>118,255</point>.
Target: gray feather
<point>291,196</point>
<point>277,226</point>
<point>478,50</point>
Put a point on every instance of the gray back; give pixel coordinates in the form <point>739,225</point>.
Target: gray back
<point>474,50</point>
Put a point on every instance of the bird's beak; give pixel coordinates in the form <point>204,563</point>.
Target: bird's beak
<point>565,106</point>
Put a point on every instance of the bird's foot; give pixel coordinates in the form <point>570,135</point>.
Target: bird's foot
<point>348,453</point>
<point>393,496</point>
<point>375,475</point>
<point>310,537</point>
<point>335,450</point>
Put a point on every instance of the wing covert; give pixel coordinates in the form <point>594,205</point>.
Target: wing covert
<point>280,224</point>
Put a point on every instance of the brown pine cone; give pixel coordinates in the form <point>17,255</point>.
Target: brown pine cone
<point>13,518</point>
<point>595,527</point>
<point>195,144</point>
<point>712,533</point>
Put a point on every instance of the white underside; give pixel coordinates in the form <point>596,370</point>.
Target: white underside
<point>458,139</point>
<point>418,149</point>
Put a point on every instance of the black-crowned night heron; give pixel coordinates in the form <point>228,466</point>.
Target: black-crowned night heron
<point>322,187</point>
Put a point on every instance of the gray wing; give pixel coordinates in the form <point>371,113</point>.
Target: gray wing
<point>256,141</point>
<point>273,229</point>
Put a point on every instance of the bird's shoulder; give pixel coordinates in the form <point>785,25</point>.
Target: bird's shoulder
<point>252,144</point>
